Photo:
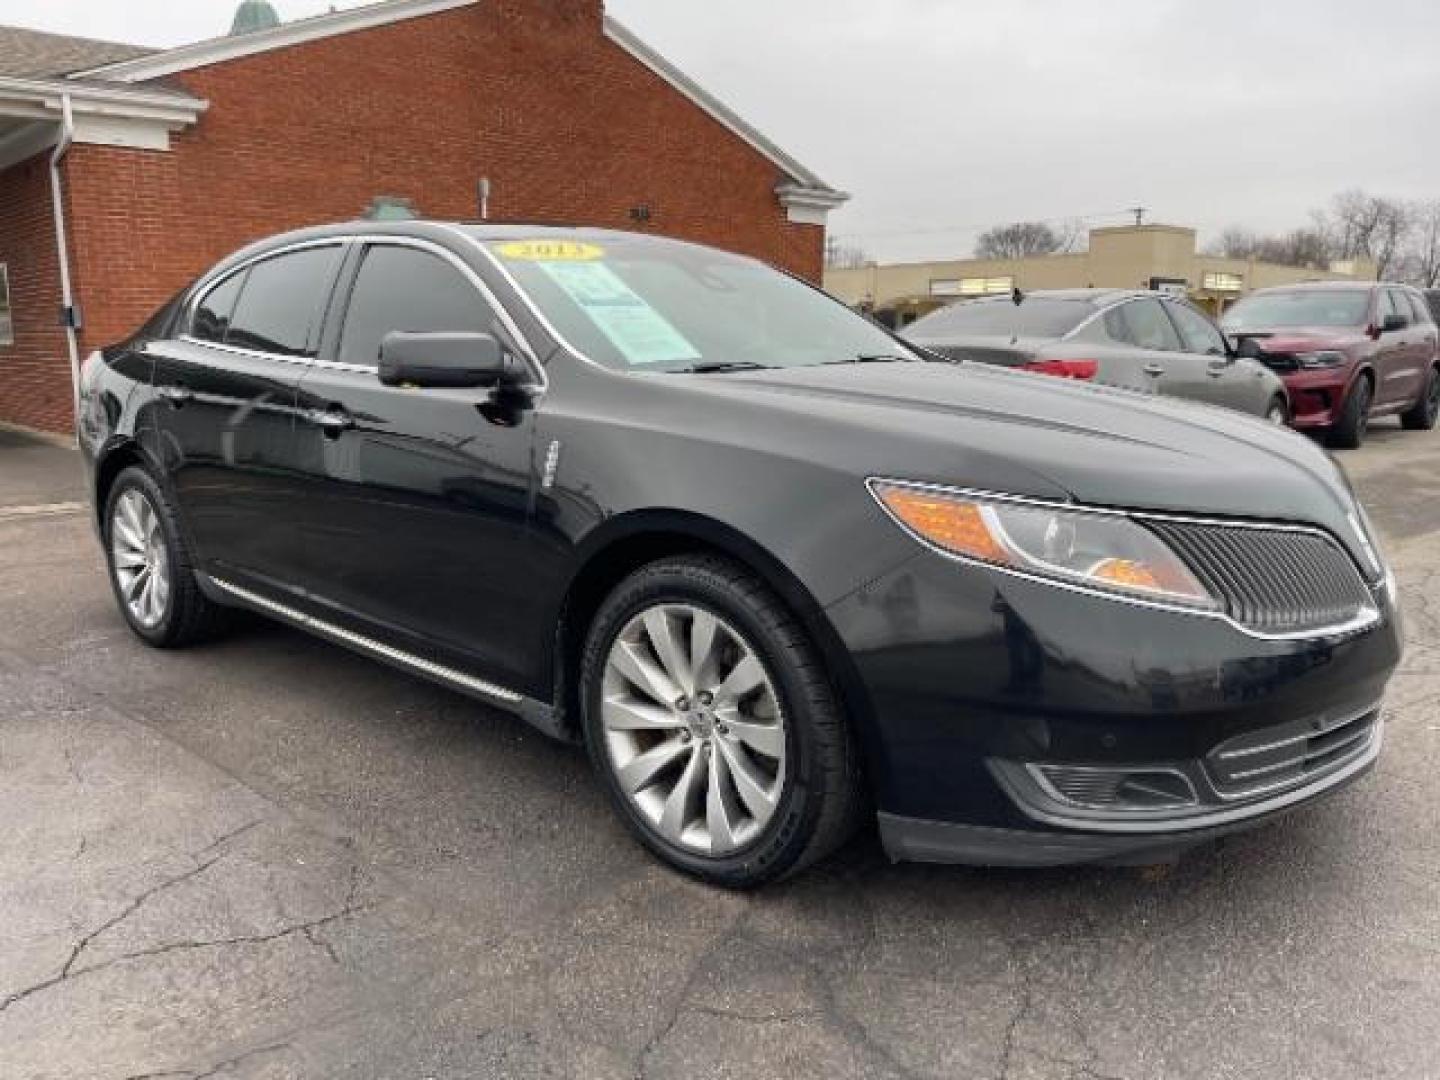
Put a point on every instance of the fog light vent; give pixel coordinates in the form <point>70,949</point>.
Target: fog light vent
<point>1102,788</point>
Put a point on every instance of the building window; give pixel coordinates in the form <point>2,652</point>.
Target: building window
<point>1219,281</point>
<point>7,325</point>
<point>972,286</point>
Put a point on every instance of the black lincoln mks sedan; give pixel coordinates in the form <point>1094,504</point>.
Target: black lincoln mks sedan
<point>777,570</point>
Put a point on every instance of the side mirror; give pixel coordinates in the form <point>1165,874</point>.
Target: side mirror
<point>444,360</point>
<point>1393,322</point>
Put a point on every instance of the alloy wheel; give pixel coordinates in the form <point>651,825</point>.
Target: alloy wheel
<point>693,728</point>
<point>1276,415</point>
<point>140,558</point>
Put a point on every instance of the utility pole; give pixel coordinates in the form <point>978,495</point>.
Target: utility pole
<point>1139,212</point>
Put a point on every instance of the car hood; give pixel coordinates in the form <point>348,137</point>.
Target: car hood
<point>1293,339</point>
<point>983,427</point>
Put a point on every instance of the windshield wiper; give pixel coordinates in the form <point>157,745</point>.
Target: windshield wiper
<point>716,367</point>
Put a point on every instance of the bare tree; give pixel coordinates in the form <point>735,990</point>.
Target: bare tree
<point>1421,263</point>
<point>1018,240</point>
<point>842,256</point>
<point>1074,236</point>
<point>1373,227</point>
<point>1306,246</point>
<point>1235,243</point>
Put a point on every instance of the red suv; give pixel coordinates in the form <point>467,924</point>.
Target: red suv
<point>1347,351</point>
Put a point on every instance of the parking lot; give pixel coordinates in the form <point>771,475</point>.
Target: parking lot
<point>270,858</point>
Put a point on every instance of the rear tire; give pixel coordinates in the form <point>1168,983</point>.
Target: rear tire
<point>1350,431</point>
<point>787,732</point>
<point>1422,415</point>
<point>151,569</point>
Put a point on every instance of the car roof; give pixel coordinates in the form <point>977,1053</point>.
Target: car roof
<point>1093,296</point>
<point>438,231</point>
<point>1326,286</point>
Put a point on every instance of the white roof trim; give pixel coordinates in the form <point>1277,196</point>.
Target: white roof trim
<point>46,95</point>
<point>107,115</point>
<point>218,50</point>
<point>718,110</point>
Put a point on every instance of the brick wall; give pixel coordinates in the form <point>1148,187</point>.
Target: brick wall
<point>35,370</point>
<point>568,126</point>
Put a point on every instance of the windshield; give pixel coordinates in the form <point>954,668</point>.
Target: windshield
<point>1033,317</point>
<point>1309,307</point>
<point>641,304</point>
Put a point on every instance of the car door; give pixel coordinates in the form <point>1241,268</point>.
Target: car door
<point>418,500</point>
<point>1235,382</point>
<point>1395,351</point>
<point>1427,334</point>
<point>1142,324</point>
<point>226,419</point>
<point>1417,345</point>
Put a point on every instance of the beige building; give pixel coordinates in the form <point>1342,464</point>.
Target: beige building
<point>1124,257</point>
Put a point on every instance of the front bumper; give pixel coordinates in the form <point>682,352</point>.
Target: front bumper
<point>908,839</point>
<point>1317,395</point>
<point>971,678</point>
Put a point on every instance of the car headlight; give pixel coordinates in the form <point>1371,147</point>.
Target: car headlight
<point>1103,551</point>
<point>1324,358</point>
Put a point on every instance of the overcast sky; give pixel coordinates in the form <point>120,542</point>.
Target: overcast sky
<point>942,117</point>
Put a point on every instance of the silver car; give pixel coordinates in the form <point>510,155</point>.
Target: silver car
<point>1146,341</point>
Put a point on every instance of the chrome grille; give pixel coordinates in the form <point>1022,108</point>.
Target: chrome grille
<point>1287,755</point>
<point>1276,581</point>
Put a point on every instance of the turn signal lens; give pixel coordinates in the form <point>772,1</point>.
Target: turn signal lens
<point>955,526</point>
<point>1100,550</point>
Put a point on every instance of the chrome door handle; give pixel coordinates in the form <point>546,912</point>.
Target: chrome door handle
<point>176,395</point>
<point>332,421</point>
<point>1155,369</point>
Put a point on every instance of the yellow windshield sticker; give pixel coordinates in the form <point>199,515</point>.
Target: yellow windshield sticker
<point>551,251</point>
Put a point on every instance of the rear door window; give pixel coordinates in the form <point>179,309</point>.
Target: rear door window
<point>212,314</point>
<point>282,305</point>
<point>1144,324</point>
<point>1419,314</point>
<point>1198,333</point>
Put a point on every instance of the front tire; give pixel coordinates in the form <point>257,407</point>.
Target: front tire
<point>1422,415</point>
<point>1277,413</point>
<point>151,569</point>
<point>1349,433</point>
<point>713,725</point>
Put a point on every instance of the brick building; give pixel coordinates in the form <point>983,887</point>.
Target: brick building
<point>126,171</point>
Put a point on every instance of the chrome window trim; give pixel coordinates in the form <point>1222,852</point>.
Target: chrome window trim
<point>209,284</point>
<point>348,637</point>
<point>1100,313</point>
<point>1367,617</point>
<point>205,285</point>
<point>256,354</point>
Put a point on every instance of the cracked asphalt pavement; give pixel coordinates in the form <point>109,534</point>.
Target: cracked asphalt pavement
<point>268,858</point>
